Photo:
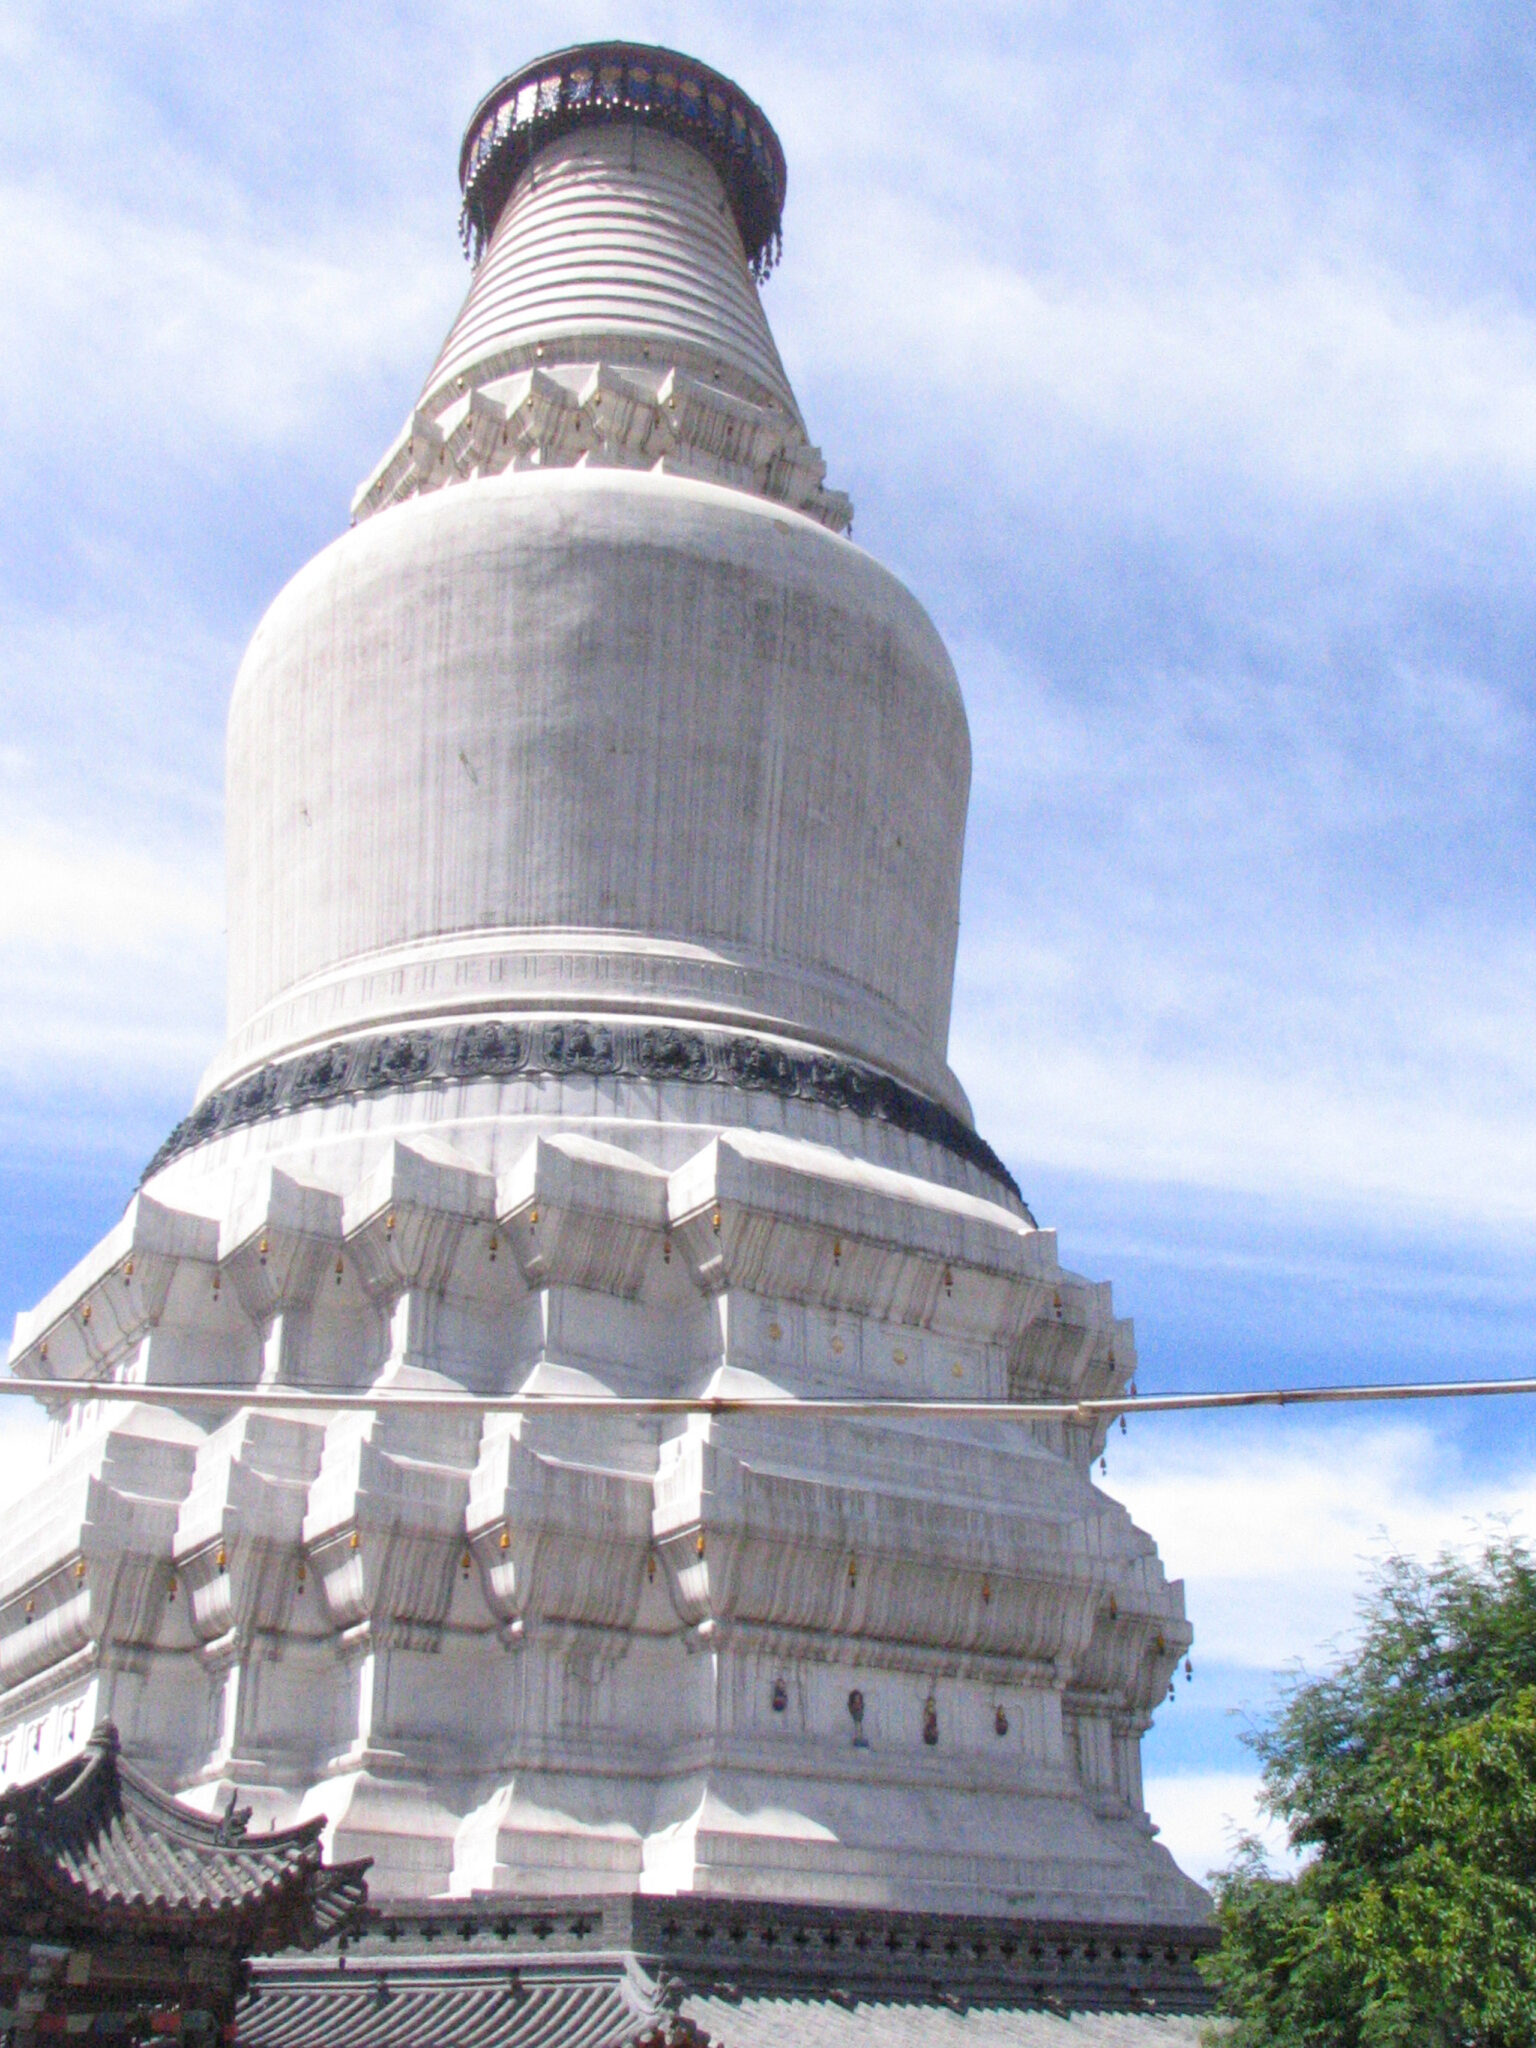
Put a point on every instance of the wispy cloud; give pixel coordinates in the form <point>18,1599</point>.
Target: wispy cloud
<point>1269,937</point>
<point>1276,1530</point>
<point>1322,383</point>
<point>109,957</point>
<point>211,339</point>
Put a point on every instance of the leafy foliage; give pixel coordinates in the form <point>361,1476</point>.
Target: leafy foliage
<point>1410,1774</point>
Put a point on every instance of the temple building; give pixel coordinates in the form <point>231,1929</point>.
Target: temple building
<point>124,1913</point>
<point>595,816</point>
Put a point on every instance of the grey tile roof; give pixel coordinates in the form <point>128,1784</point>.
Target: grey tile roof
<point>95,1847</point>
<point>819,2023</point>
<point>618,1999</point>
<point>596,2003</point>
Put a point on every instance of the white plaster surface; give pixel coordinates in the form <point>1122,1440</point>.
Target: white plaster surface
<point>561,736</point>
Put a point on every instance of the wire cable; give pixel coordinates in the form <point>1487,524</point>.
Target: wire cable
<point>431,1400</point>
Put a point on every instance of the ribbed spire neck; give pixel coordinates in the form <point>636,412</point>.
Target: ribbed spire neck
<point>618,245</point>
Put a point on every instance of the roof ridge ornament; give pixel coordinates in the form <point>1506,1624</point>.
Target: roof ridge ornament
<point>95,1848</point>
<point>607,83</point>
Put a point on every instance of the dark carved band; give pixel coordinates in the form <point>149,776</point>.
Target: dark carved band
<point>563,1047</point>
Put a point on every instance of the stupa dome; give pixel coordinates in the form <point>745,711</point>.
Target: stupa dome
<point>596,706</point>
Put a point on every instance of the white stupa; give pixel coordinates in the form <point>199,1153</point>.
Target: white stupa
<point>595,822</point>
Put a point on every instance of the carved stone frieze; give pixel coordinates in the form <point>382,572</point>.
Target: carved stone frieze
<point>604,417</point>
<point>570,1046</point>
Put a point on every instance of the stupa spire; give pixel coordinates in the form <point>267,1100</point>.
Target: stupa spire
<point>621,205</point>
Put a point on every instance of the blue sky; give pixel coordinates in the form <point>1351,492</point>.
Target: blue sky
<point>1183,360</point>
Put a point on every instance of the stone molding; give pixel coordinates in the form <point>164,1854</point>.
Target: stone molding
<point>735,1948</point>
<point>627,974</point>
<point>518,417</point>
<point>559,1048</point>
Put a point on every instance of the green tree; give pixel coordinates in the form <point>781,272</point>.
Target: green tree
<point>1408,1778</point>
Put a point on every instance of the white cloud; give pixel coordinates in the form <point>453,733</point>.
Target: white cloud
<point>211,341</point>
<point>1201,1814</point>
<point>110,956</point>
<point>1270,932</point>
<point>59,895</point>
<point>1211,1117</point>
<point>1275,1527</point>
<point>1325,382</point>
<point>1107,232</point>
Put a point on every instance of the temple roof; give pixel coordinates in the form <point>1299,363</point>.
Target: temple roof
<point>613,2003</point>
<point>95,1848</point>
<point>650,1972</point>
<point>598,2004</point>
